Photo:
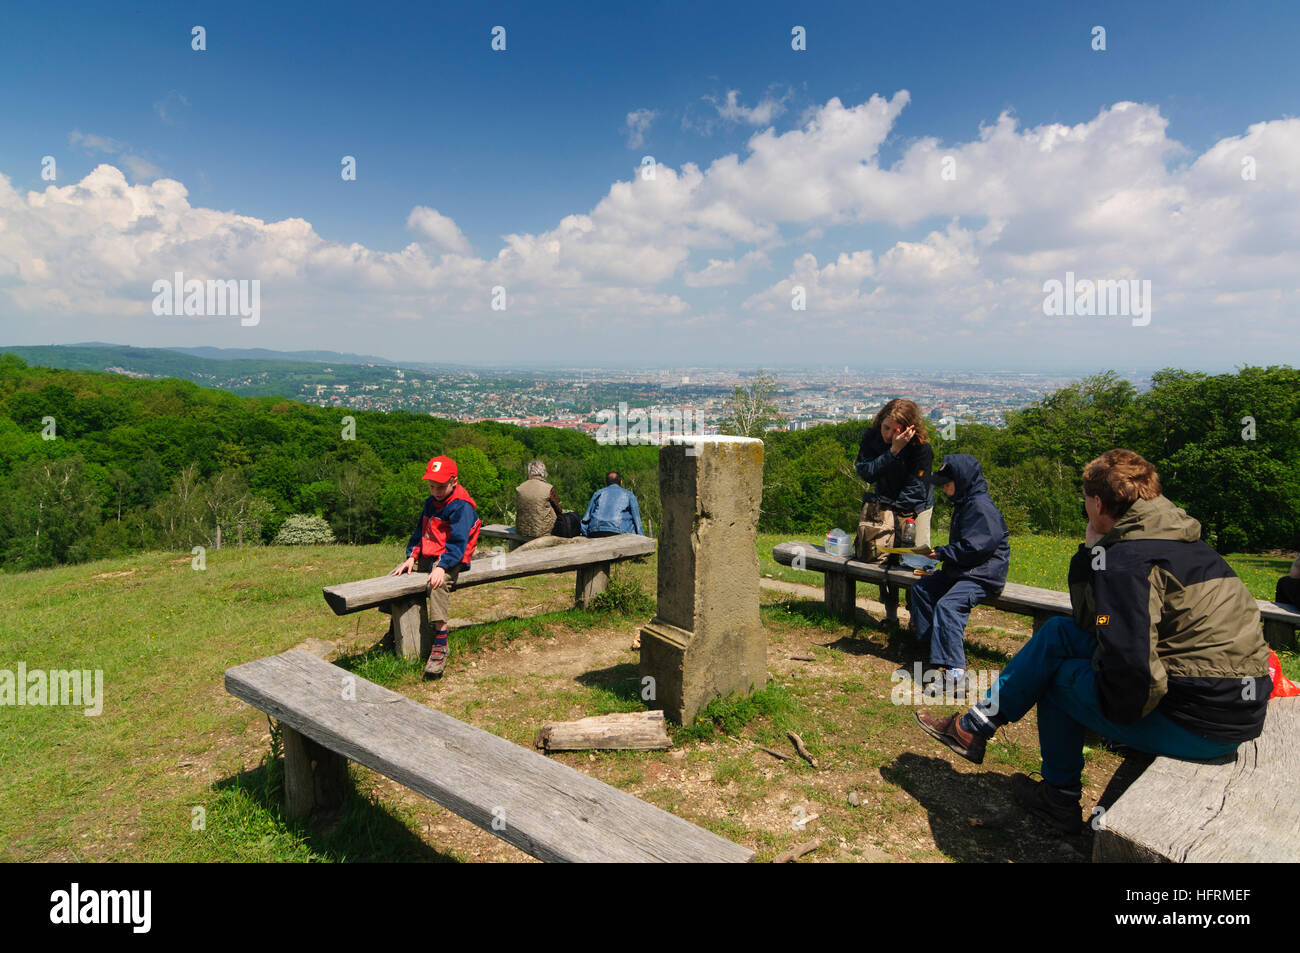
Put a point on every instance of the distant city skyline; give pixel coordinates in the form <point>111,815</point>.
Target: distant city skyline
<point>1028,186</point>
<point>574,398</point>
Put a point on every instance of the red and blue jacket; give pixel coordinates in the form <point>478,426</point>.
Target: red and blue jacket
<point>448,530</point>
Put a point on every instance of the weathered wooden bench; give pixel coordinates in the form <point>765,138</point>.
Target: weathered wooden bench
<point>1245,808</point>
<point>404,597</point>
<point>841,574</point>
<point>329,716</point>
<point>501,531</point>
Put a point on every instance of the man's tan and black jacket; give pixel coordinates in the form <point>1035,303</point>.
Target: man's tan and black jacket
<point>1177,631</point>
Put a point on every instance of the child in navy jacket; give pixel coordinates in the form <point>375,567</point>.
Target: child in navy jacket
<point>975,563</point>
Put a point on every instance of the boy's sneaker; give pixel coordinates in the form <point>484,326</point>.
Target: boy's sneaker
<point>1038,799</point>
<point>953,683</point>
<point>948,730</point>
<point>437,661</point>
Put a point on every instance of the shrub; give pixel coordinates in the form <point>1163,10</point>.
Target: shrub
<point>303,530</point>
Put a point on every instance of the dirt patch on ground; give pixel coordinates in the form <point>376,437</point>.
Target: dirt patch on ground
<point>884,792</point>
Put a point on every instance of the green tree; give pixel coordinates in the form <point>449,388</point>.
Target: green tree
<point>50,507</point>
<point>358,494</point>
<point>235,513</point>
<point>1074,424</point>
<point>1227,448</point>
<point>478,475</point>
<point>401,499</point>
<point>179,519</point>
<point>752,410</point>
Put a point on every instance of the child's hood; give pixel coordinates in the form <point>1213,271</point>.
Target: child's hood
<point>967,475</point>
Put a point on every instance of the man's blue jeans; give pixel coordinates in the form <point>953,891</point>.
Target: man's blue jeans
<point>1054,672</point>
<point>940,610</point>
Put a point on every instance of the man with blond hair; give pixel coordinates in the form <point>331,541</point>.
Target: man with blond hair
<point>1163,653</point>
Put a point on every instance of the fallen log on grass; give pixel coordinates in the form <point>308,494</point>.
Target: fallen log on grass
<point>631,731</point>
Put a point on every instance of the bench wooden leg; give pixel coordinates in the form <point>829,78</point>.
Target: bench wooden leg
<point>889,596</point>
<point>592,581</point>
<point>841,595</point>
<point>1281,635</point>
<point>412,637</point>
<point>315,778</point>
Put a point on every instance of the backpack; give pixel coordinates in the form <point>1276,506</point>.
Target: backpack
<point>1288,591</point>
<point>567,526</point>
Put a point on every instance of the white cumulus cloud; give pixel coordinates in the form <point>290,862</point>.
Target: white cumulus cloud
<point>438,228</point>
<point>943,251</point>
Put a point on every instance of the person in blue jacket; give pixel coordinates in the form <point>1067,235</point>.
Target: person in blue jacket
<point>612,510</point>
<point>975,563</point>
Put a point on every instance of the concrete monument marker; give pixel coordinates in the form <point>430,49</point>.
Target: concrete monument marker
<point>706,639</point>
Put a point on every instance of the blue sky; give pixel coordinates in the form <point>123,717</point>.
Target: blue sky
<point>510,143</point>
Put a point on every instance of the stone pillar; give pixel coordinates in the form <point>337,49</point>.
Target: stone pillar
<point>706,640</point>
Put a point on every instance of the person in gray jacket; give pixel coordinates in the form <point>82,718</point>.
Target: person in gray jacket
<point>536,503</point>
<point>612,510</point>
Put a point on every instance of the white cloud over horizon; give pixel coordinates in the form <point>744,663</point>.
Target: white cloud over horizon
<point>439,229</point>
<point>960,269</point>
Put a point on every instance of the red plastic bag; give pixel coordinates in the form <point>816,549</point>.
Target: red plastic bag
<point>1283,687</point>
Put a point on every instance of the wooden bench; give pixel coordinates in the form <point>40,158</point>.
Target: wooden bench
<point>329,716</point>
<point>501,531</point>
<point>404,597</point>
<point>842,574</point>
<point>1240,809</point>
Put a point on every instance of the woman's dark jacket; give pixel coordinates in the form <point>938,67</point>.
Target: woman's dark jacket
<point>897,478</point>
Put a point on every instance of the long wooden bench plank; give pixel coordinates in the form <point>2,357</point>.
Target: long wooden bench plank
<point>1246,810</point>
<point>1015,598</point>
<point>366,593</point>
<point>1025,600</point>
<point>549,810</point>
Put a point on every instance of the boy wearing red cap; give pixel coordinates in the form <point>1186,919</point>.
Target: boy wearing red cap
<point>442,544</point>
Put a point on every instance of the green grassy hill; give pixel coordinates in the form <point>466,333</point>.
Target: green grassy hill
<point>171,749</point>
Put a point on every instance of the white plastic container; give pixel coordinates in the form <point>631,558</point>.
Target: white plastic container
<point>839,543</point>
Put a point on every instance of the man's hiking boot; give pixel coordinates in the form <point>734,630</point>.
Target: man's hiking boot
<point>1036,798</point>
<point>948,730</point>
<point>437,661</point>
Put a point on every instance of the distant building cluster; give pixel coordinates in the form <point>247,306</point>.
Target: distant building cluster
<point>572,399</point>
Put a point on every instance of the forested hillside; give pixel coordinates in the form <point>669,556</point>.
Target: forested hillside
<point>94,465</point>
